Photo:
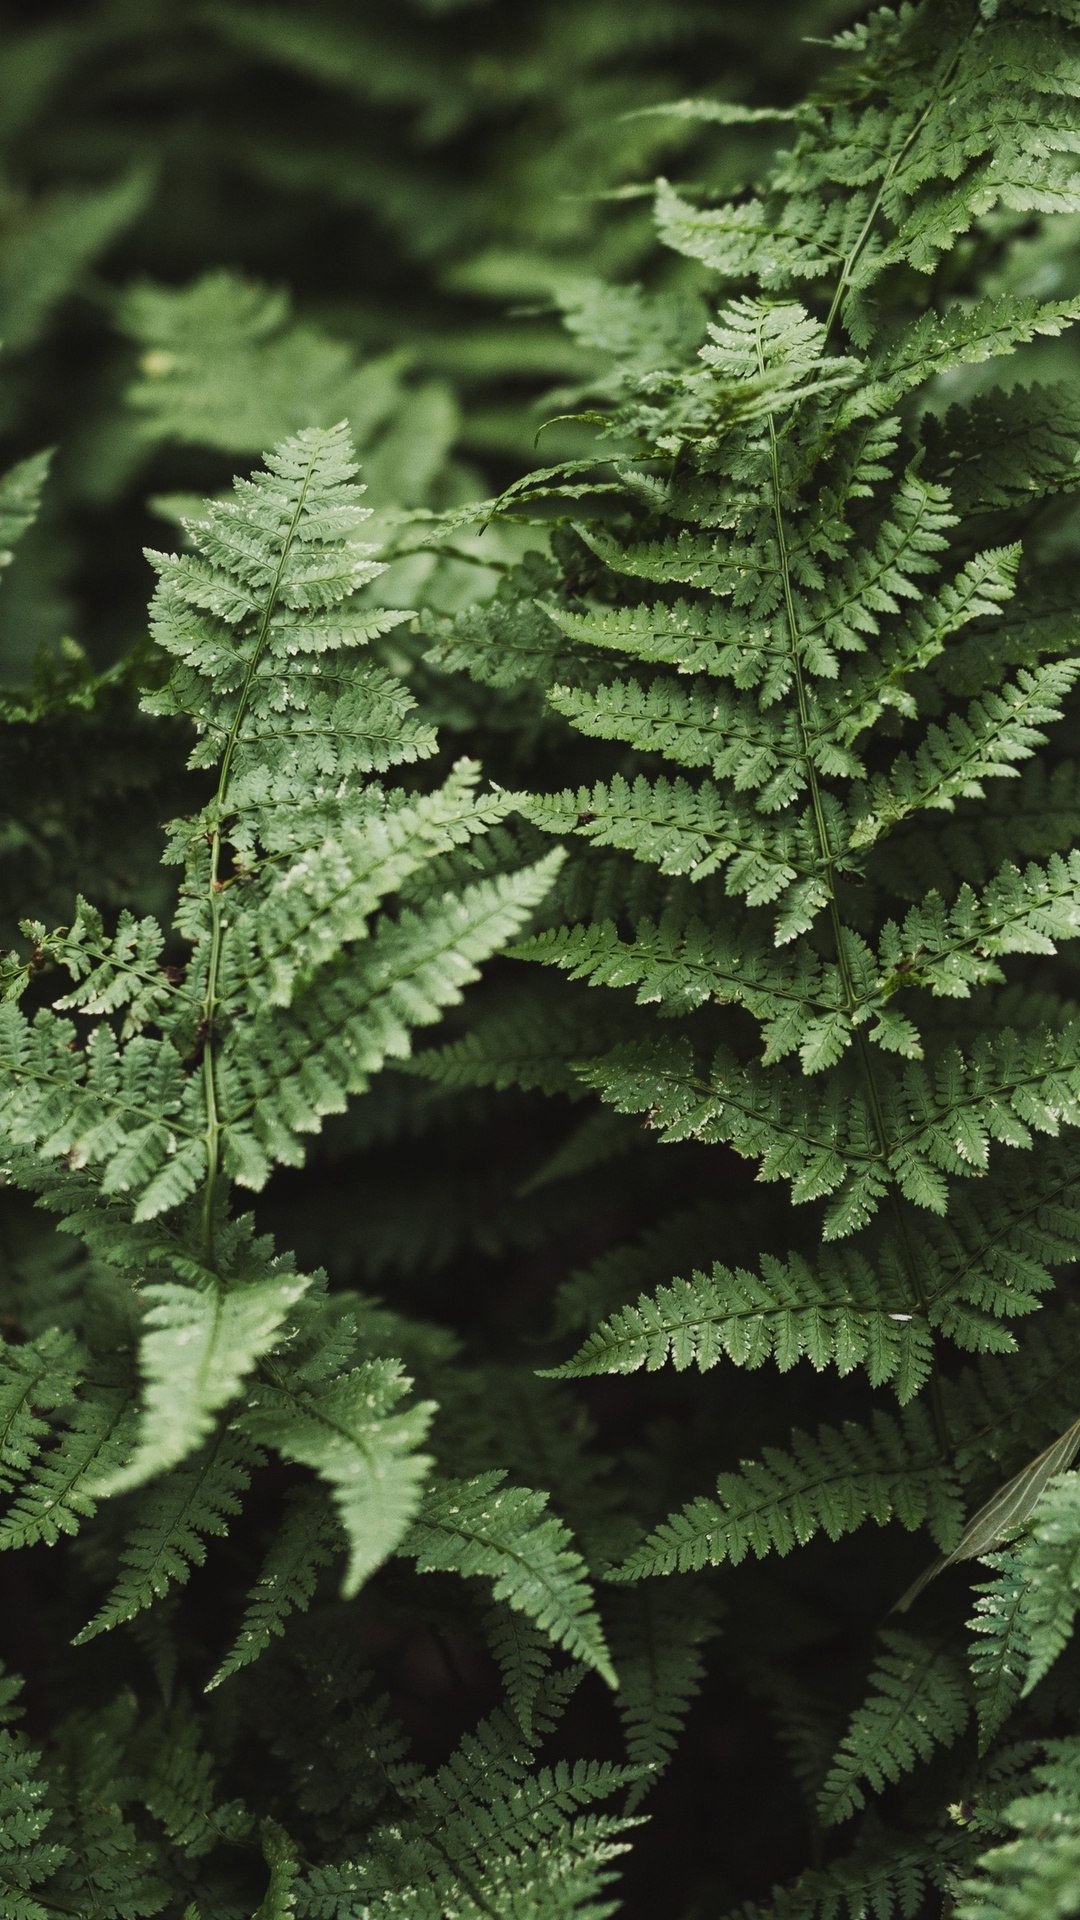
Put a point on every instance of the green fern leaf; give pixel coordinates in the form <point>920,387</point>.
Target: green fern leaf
<point>1029,1608</point>
<point>657,1641</point>
<point>42,1373</point>
<point>830,1484</point>
<point>305,1542</point>
<point>918,1701</point>
<point>787,1313</point>
<point>28,1860</point>
<point>1035,1876</point>
<point>20,498</point>
<point>523,1652</point>
<point>60,1496</point>
<point>166,1538</point>
<point>224,365</point>
<point>480,1527</point>
<point>347,1430</point>
<point>200,1345</point>
<point>999,1660</point>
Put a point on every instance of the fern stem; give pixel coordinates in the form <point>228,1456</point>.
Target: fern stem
<point>825,853</point>
<point>211,999</point>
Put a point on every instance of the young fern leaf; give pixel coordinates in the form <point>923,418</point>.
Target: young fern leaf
<point>267,1032</point>
<point>918,1700</point>
<point>327,918</point>
<point>502,1533</point>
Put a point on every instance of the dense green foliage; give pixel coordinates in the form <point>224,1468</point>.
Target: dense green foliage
<point>422,1494</point>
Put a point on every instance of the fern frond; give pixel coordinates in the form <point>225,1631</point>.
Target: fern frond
<point>348,1431</point>
<point>523,1652</point>
<point>887,1876</point>
<point>249,619</point>
<point>59,1497</point>
<point>167,1535</point>
<point>280,1900</point>
<point>199,1346</point>
<point>832,1484</point>
<point>305,1542</point>
<point>918,1700</point>
<point>179,1789</point>
<point>20,499</point>
<point>28,1860</point>
<point>501,1532</point>
<point>1037,1875</point>
<point>108,1864</point>
<point>999,1660</point>
<point>998,730</point>
<point>281,1079</point>
<point>552,1857</point>
<point>1028,1610</point>
<point>38,1374</point>
<point>657,1639</point>
<point>830,1316</point>
<point>223,364</point>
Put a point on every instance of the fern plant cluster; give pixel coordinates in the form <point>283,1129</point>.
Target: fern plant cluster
<point>771,864</point>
